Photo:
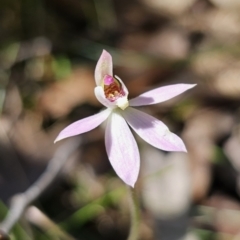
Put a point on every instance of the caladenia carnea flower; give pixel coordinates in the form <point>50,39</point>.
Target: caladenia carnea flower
<point>120,144</point>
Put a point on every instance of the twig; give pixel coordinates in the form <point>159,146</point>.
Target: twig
<point>21,201</point>
<point>39,219</point>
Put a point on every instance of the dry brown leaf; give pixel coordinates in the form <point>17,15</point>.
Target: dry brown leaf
<point>173,7</point>
<point>59,98</point>
<point>200,135</point>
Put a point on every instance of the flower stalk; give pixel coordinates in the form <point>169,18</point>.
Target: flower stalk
<point>135,214</point>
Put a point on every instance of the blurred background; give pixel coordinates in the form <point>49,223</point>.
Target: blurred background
<point>48,52</point>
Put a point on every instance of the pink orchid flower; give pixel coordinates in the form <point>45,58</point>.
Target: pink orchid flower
<point>120,144</point>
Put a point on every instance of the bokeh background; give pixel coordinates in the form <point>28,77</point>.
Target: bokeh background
<point>48,52</point>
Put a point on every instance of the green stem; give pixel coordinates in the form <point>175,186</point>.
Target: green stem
<point>135,214</point>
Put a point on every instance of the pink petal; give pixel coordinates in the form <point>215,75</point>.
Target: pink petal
<point>83,125</point>
<point>160,94</point>
<point>125,90</point>
<point>153,131</point>
<point>122,149</point>
<point>104,67</point>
